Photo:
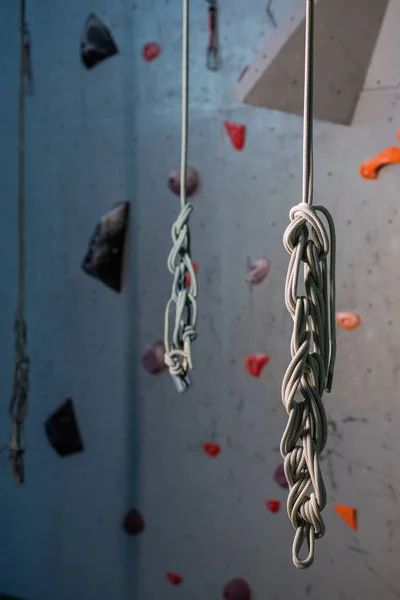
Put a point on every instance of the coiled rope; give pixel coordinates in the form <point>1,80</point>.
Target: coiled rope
<point>313,342</point>
<point>178,354</point>
<point>19,397</point>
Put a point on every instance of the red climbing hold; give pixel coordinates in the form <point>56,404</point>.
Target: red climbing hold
<point>280,477</point>
<point>255,364</point>
<point>153,359</point>
<point>273,506</point>
<point>212,449</point>
<point>237,589</point>
<point>196,270</point>
<point>236,133</point>
<point>150,51</point>
<point>174,578</point>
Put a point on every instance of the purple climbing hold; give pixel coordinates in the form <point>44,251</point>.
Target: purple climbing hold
<point>153,358</point>
<point>280,477</point>
<point>192,181</point>
<point>133,522</point>
<point>257,271</point>
<point>237,589</point>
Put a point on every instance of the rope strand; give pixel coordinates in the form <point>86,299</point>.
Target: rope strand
<point>313,343</point>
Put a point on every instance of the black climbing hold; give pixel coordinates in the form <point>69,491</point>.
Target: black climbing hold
<point>97,43</point>
<point>104,258</point>
<point>133,523</point>
<point>62,430</point>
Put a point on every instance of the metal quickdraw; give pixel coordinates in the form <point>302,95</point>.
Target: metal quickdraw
<point>213,57</point>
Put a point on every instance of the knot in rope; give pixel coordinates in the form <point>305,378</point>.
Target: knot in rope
<point>18,405</point>
<point>178,355</point>
<point>310,371</point>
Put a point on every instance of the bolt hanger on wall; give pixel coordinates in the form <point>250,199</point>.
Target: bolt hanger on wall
<point>213,54</point>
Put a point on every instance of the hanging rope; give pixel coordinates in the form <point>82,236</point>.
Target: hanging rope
<point>19,398</point>
<point>178,355</point>
<point>313,343</point>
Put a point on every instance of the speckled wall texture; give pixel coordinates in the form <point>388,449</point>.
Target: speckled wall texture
<point>112,134</point>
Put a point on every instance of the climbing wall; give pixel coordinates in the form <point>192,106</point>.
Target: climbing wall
<point>199,467</point>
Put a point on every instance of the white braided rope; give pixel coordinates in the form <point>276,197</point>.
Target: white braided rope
<point>313,342</point>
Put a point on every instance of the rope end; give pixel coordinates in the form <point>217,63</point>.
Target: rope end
<point>329,382</point>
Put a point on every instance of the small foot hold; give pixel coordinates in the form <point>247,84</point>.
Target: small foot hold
<point>133,523</point>
<point>236,133</point>
<point>257,271</point>
<point>237,589</point>
<point>212,449</point>
<point>174,578</point>
<point>348,514</point>
<point>273,506</point>
<point>97,43</point>
<point>150,51</point>
<point>104,259</point>
<point>188,280</point>
<point>153,359</point>
<point>243,73</point>
<point>192,181</point>
<point>255,363</point>
<point>347,320</point>
<point>62,430</point>
<point>280,477</point>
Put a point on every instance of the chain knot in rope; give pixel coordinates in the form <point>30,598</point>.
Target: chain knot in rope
<point>18,405</point>
<point>178,355</point>
<point>310,371</point>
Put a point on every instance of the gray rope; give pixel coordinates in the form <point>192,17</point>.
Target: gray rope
<point>19,398</point>
<point>178,354</point>
<point>313,342</point>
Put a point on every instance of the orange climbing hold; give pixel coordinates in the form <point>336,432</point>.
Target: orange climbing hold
<point>212,449</point>
<point>348,320</point>
<point>370,168</point>
<point>174,578</point>
<point>255,364</point>
<point>196,270</point>
<point>150,51</point>
<point>348,514</point>
<point>237,134</point>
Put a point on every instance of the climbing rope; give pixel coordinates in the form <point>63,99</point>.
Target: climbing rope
<point>19,398</point>
<point>313,342</point>
<point>178,354</point>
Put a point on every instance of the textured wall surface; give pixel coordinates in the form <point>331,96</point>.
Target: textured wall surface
<point>112,134</point>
